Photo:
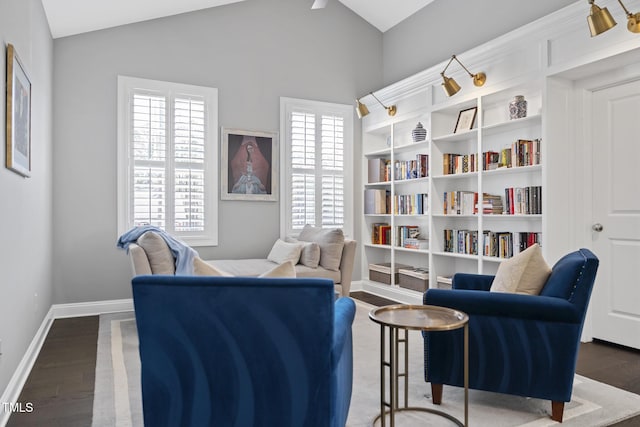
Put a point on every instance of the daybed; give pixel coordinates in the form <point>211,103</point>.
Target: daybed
<point>321,254</point>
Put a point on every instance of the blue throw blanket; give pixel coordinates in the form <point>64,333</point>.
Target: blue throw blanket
<point>183,253</point>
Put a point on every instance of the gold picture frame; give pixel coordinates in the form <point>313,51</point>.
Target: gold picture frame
<point>466,119</point>
<point>18,112</point>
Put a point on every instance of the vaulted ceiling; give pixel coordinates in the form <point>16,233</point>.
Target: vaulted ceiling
<point>69,17</point>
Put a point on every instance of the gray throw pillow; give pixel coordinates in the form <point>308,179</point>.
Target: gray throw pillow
<point>331,244</point>
<point>310,255</point>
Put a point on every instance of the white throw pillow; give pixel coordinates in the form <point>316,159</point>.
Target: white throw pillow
<point>160,257</point>
<point>525,273</point>
<point>310,255</point>
<point>331,244</point>
<point>201,268</point>
<point>282,252</point>
<point>286,269</point>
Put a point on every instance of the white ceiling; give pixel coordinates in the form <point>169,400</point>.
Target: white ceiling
<point>69,17</point>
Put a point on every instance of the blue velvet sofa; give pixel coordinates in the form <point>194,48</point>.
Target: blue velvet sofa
<point>518,344</point>
<point>230,351</point>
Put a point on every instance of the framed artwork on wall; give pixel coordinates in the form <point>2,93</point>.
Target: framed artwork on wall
<point>466,118</point>
<point>249,165</point>
<point>18,138</point>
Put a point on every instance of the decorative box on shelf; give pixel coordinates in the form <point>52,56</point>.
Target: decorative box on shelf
<point>382,272</point>
<point>444,282</point>
<point>416,279</point>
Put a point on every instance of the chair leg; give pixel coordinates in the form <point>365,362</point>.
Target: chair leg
<point>557,409</point>
<point>436,393</point>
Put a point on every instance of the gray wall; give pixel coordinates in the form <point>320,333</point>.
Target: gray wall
<point>25,213</point>
<point>447,27</point>
<point>253,52</point>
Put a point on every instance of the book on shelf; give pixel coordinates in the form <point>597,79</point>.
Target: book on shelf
<point>504,244</point>
<point>376,201</point>
<point>423,165</point>
<point>459,163</point>
<point>411,204</point>
<point>411,169</point>
<point>461,241</point>
<point>381,233</point>
<point>415,243</point>
<point>460,203</point>
<point>404,232</point>
<point>523,200</point>
<point>377,170</point>
<point>491,204</point>
<point>523,152</point>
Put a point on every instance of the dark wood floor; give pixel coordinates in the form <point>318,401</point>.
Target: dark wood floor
<point>60,386</point>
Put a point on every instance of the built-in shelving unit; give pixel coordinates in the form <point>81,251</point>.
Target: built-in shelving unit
<point>484,166</point>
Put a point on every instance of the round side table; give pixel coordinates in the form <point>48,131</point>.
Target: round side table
<point>402,317</point>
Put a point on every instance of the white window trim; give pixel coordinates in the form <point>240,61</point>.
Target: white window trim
<point>287,105</point>
<point>125,86</point>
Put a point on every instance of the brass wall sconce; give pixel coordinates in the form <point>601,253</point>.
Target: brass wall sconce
<point>451,87</point>
<point>600,20</point>
<point>362,109</point>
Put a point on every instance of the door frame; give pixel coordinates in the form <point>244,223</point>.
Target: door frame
<point>576,97</point>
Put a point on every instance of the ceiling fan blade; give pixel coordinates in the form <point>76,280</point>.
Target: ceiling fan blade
<point>319,4</point>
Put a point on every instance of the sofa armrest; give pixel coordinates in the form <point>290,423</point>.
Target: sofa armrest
<point>477,282</point>
<point>139,260</point>
<point>342,360</point>
<point>499,304</point>
<point>346,266</point>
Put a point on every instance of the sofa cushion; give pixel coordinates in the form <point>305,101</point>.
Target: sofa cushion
<point>201,268</point>
<point>286,269</point>
<point>310,255</point>
<point>282,252</point>
<point>331,244</point>
<point>525,273</point>
<point>160,257</point>
<point>243,267</point>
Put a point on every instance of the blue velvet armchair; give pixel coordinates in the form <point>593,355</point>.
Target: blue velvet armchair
<point>230,351</point>
<point>518,344</point>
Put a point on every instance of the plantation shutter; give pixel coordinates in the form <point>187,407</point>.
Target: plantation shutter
<point>168,162</point>
<point>189,140</point>
<point>149,160</point>
<point>317,164</point>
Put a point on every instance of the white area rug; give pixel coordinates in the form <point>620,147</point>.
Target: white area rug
<point>117,399</point>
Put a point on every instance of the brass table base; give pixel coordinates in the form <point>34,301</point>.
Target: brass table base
<point>431,411</point>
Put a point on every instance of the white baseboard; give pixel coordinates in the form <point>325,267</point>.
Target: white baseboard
<point>57,311</point>
<point>12,391</point>
<point>61,311</point>
<point>395,293</point>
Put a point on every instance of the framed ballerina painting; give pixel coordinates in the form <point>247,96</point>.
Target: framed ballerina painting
<point>249,165</point>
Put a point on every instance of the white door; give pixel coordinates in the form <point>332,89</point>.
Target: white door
<point>616,213</point>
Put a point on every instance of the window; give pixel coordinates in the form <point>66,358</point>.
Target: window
<point>167,152</point>
<point>318,159</point>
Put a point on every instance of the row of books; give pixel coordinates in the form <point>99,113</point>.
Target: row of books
<point>381,170</point>
<point>495,244</point>
<point>507,244</point>
<point>411,204</point>
<point>523,200</point>
<point>466,203</point>
<point>459,163</point>
<point>406,236</point>
<point>461,241</point>
<point>523,152</point>
<point>377,201</point>
<point>518,201</point>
